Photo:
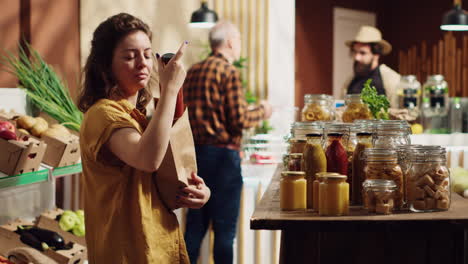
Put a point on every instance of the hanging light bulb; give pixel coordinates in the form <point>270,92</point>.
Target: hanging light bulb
<point>455,19</point>
<point>203,17</point>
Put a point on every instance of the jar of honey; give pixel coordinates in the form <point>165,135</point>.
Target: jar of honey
<point>315,189</point>
<point>333,195</point>
<point>293,190</point>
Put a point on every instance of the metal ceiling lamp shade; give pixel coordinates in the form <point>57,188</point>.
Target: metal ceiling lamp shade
<point>455,19</point>
<point>203,17</point>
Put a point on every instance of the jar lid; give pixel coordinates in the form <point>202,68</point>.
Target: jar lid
<point>292,173</point>
<point>371,183</point>
<point>314,135</point>
<point>295,155</point>
<point>364,134</point>
<point>323,173</point>
<point>380,154</point>
<point>297,140</point>
<point>333,175</point>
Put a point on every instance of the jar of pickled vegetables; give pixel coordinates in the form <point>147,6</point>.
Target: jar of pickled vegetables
<point>355,109</point>
<point>379,195</point>
<point>318,107</point>
<point>293,190</point>
<point>333,195</point>
<point>382,163</point>
<point>428,181</point>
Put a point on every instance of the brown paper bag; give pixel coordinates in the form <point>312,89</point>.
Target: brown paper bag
<point>178,163</point>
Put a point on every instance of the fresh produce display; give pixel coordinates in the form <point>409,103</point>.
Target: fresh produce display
<point>42,239</point>
<point>378,104</point>
<point>7,130</point>
<point>73,222</point>
<point>43,86</point>
<point>38,126</point>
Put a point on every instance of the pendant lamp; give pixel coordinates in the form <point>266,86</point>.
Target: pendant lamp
<point>455,19</point>
<point>203,17</point>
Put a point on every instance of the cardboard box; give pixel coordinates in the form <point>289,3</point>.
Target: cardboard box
<point>47,221</point>
<point>61,152</point>
<point>20,157</point>
<point>9,240</point>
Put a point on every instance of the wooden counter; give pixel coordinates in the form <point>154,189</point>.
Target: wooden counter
<point>437,237</point>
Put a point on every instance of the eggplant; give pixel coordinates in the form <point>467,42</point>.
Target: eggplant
<point>51,238</point>
<point>32,241</point>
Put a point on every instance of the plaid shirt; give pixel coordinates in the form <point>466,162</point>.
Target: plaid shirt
<point>215,99</point>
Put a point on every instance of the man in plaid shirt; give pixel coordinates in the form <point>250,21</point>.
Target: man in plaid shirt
<point>218,113</point>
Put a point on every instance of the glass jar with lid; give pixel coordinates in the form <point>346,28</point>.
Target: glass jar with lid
<point>296,145</point>
<point>379,195</point>
<point>390,134</point>
<point>382,163</point>
<point>301,129</point>
<point>358,163</point>
<point>355,109</point>
<point>293,190</point>
<point>333,195</point>
<point>318,107</point>
<point>436,90</point>
<point>315,188</point>
<point>295,162</point>
<point>428,181</point>
<point>314,162</point>
<point>409,93</point>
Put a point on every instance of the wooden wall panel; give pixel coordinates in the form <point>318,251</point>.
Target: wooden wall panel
<point>9,36</point>
<point>55,35</point>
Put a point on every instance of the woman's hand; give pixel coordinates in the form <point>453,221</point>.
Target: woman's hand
<point>195,195</point>
<point>172,75</point>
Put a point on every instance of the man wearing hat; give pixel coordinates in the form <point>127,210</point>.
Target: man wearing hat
<point>366,49</point>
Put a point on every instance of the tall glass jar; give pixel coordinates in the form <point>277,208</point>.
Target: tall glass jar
<point>314,162</point>
<point>355,109</point>
<point>436,90</point>
<point>382,163</point>
<point>391,134</point>
<point>335,151</point>
<point>428,181</point>
<point>358,164</point>
<point>409,93</point>
<point>379,196</point>
<point>333,195</point>
<point>293,190</point>
<point>318,107</point>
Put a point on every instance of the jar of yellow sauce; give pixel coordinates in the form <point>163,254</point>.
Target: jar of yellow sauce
<point>333,195</point>
<point>315,189</point>
<point>293,190</point>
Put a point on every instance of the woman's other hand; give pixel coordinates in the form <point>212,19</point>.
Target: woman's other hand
<point>195,195</point>
<point>172,75</point>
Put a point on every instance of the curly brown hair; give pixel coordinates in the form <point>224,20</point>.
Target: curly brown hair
<point>99,81</point>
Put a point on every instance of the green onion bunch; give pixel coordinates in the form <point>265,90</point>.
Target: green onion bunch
<point>43,86</point>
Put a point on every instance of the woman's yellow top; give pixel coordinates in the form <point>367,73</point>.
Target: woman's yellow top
<point>126,221</point>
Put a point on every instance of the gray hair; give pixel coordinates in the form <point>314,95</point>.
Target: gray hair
<point>220,33</point>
